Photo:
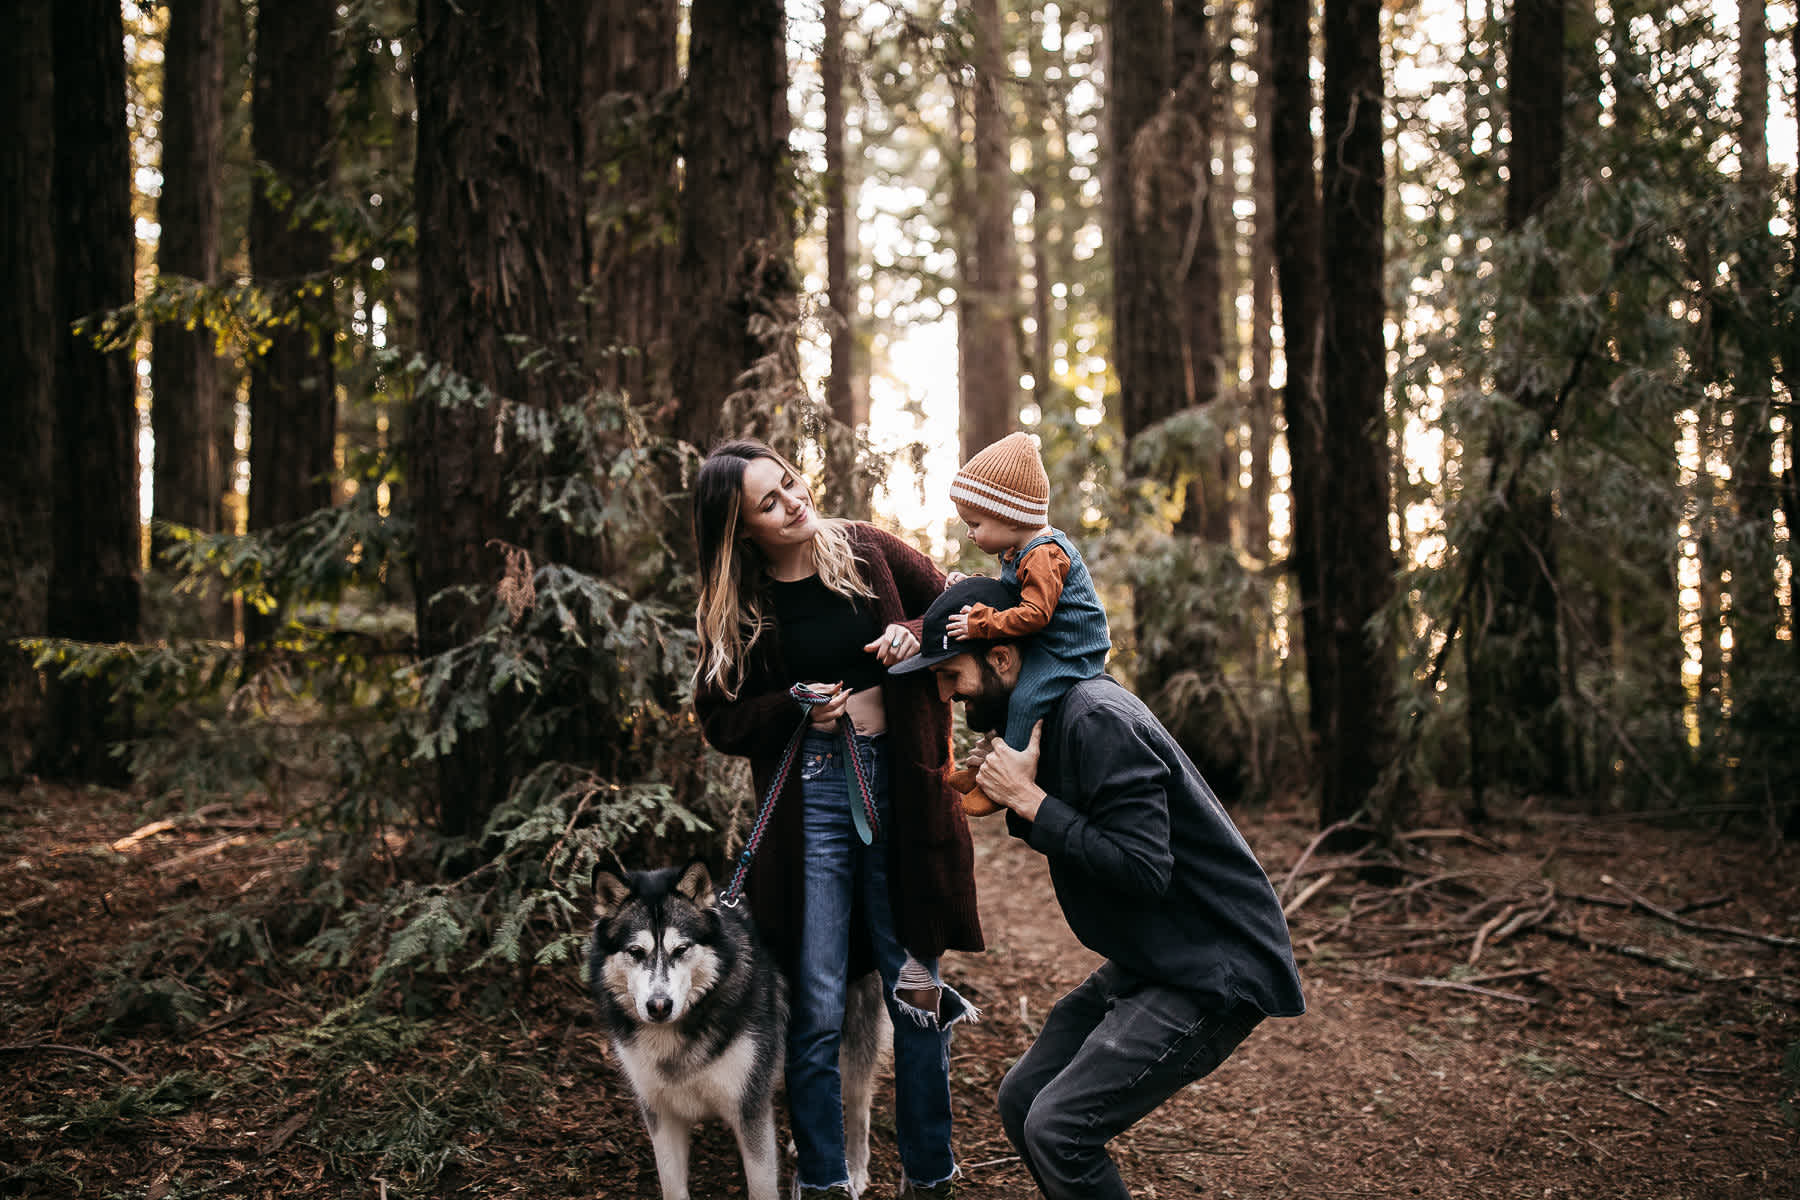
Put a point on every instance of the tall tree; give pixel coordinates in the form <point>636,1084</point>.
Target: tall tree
<point>1286,25</point>
<point>1147,342</point>
<point>1167,246</point>
<point>987,318</point>
<point>1192,133</point>
<point>293,385</point>
<point>1788,493</point>
<point>1517,724</point>
<point>846,393</point>
<point>501,266</point>
<point>29,341</point>
<point>1041,183</point>
<point>1759,677</point>
<point>632,92</point>
<point>95,577</point>
<point>1261,399</point>
<point>1356,563</point>
<point>184,412</point>
<point>735,282</point>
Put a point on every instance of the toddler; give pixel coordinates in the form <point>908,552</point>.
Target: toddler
<point>1003,496</point>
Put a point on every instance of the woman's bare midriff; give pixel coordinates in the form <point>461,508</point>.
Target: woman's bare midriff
<point>867,712</point>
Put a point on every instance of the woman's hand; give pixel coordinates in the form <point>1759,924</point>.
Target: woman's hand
<point>895,643</point>
<point>952,579</point>
<point>825,716</point>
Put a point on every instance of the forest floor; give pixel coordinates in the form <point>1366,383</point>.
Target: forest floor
<point>1504,1014</point>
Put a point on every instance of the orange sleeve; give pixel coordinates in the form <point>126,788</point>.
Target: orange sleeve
<point>1041,576</point>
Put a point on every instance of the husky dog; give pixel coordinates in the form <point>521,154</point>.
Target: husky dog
<point>697,1013</point>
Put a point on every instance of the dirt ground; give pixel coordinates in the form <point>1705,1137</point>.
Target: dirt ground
<point>1503,1014</point>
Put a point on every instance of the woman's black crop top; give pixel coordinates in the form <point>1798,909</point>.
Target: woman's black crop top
<point>823,634</point>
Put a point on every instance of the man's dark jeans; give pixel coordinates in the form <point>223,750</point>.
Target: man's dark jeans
<point>1111,1051</point>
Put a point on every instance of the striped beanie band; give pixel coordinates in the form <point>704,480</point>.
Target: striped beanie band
<point>1006,480</point>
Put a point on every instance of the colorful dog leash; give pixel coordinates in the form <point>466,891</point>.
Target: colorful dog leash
<point>862,816</point>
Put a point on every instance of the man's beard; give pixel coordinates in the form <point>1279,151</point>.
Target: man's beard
<point>985,711</point>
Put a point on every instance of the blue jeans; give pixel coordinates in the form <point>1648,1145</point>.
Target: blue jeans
<point>845,880</point>
<point>1110,1052</point>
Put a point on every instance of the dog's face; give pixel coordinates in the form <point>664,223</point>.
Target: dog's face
<point>657,944</point>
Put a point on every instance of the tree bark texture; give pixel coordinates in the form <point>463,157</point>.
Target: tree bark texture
<point>1193,111</point>
<point>29,342</point>
<point>1357,574</point>
<point>1761,716</point>
<point>1518,727</point>
<point>987,321</point>
<point>186,402</point>
<point>1261,415</point>
<point>846,392</point>
<point>1147,343</point>
<point>1301,278</point>
<point>501,266</point>
<point>735,282</point>
<point>1790,477</point>
<point>632,96</point>
<point>293,384</point>
<point>95,574</point>
<point>1166,328</point>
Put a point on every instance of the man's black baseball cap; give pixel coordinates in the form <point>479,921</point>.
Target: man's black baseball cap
<point>935,643</point>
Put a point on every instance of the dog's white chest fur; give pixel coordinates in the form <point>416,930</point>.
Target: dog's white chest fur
<point>715,1089</point>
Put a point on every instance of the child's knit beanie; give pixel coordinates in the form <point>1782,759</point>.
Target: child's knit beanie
<point>1006,480</point>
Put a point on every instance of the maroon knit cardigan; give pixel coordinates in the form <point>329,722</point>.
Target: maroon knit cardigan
<point>931,865</point>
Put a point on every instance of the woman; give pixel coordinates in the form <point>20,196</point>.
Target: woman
<point>786,597</point>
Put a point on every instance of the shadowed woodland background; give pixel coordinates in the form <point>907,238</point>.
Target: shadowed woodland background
<point>1418,380</point>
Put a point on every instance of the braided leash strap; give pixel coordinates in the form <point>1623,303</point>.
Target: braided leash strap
<point>862,815</point>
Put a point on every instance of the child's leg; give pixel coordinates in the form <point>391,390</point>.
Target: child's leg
<point>1043,678</point>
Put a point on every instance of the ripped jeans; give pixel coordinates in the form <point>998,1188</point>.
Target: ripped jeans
<point>846,880</point>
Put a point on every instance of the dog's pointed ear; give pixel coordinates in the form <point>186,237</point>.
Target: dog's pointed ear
<point>696,884</point>
<point>610,890</point>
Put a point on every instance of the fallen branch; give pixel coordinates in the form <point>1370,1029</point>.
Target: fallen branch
<point>1447,984</point>
<point>1691,906</point>
<point>1767,939</point>
<point>1641,1099</point>
<point>992,1162</point>
<point>1464,835</point>
<point>1668,964</point>
<point>211,848</point>
<point>1515,973</point>
<point>57,1048</point>
<point>1334,827</point>
<point>1312,889</point>
<point>1511,919</point>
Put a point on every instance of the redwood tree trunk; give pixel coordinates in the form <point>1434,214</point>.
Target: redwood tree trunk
<point>987,321</point>
<point>631,92</point>
<point>1518,728</point>
<point>293,386</point>
<point>1262,310</point>
<point>1761,714</point>
<point>846,398</point>
<point>734,267</point>
<point>94,574</point>
<point>29,341</point>
<point>1300,272</point>
<point>500,273</point>
<point>1357,565</point>
<point>1194,225</point>
<point>1147,342</point>
<point>186,404</point>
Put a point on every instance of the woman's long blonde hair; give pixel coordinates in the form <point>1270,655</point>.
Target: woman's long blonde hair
<point>731,616</point>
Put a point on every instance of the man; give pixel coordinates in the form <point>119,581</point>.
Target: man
<point>1150,873</point>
